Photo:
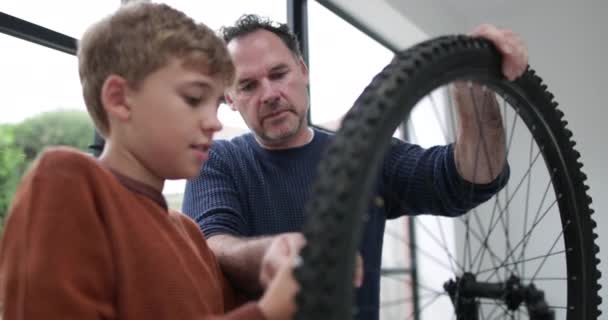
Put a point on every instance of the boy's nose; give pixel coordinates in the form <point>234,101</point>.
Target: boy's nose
<point>210,122</point>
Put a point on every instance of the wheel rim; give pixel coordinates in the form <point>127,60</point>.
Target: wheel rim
<point>523,213</point>
<point>342,193</point>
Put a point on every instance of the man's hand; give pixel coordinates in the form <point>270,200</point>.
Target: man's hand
<point>359,271</point>
<point>480,145</point>
<point>513,49</point>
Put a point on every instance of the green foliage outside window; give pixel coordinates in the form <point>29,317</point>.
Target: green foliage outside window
<point>11,159</point>
<point>21,143</point>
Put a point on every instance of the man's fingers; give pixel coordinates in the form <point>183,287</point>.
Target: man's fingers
<point>510,45</point>
<point>359,271</point>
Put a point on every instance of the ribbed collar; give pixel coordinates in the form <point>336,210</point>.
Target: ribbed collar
<point>141,188</point>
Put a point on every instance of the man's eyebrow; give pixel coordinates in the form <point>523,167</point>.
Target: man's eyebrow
<point>278,67</point>
<point>245,80</point>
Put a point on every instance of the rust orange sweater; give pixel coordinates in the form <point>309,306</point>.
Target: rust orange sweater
<point>82,242</point>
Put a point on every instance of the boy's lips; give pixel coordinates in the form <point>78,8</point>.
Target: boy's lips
<point>201,150</point>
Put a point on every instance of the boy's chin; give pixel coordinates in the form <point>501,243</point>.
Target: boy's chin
<point>192,173</point>
<point>184,174</point>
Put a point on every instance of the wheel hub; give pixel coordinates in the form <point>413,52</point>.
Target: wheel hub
<point>465,292</point>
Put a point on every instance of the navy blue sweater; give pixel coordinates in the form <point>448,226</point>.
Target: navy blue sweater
<point>245,190</point>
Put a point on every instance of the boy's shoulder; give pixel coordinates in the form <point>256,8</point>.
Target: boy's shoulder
<point>60,173</point>
<point>64,155</point>
<point>63,159</point>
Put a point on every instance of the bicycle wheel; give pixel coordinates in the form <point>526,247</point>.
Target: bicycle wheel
<point>510,257</point>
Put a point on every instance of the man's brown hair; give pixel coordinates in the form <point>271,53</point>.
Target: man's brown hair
<point>138,39</point>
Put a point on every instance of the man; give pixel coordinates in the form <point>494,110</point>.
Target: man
<point>255,186</point>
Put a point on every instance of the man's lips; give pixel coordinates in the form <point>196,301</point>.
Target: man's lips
<point>275,114</point>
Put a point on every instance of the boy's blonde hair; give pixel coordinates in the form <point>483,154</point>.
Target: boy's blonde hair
<point>138,39</point>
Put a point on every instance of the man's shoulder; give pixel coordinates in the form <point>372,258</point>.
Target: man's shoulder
<point>239,147</point>
<point>236,143</point>
<point>321,131</point>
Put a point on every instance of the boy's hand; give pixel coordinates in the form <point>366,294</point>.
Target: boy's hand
<point>278,302</point>
<point>282,248</point>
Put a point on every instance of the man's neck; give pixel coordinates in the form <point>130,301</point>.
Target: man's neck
<point>299,140</point>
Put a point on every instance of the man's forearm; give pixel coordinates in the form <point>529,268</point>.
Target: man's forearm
<point>240,259</point>
<point>480,145</point>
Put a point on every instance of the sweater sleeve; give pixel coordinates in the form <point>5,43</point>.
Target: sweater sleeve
<point>249,311</point>
<point>418,180</point>
<point>212,199</point>
<point>235,304</point>
<point>55,260</point>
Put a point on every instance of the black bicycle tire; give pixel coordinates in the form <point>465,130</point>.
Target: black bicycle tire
<point>341,193</point>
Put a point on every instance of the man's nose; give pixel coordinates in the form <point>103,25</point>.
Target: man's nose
<point>270,94</point>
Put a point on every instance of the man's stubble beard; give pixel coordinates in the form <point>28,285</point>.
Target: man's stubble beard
<point>285,136</point>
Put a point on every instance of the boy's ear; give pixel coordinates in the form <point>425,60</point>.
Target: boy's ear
<point>229,101</point>
<point>114,97</point>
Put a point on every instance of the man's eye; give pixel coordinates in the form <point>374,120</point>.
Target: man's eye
<point>278,75</point>
<point>247,87</point>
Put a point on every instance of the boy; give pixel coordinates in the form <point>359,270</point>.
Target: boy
<point>94,239</point>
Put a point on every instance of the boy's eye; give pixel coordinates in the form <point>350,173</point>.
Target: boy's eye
<point>192,101</point>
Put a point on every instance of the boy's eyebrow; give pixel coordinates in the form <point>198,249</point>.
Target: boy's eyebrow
<point>197,83</point>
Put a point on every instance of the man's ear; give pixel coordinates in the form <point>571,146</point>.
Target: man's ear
<point>114,97</point>
<point>303,69</point>
<point>229,100</point>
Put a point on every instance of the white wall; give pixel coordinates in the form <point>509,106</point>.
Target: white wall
<point>568,47</point>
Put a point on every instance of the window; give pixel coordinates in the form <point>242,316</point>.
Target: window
<point>64,16</point>
<point>41,105</point>
<point>343,61</point>
<point>221,14</point>
<point>215,16</point>
<point>36,80</point>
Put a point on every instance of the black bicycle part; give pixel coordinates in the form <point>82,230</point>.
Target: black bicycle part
<point>342,192</point>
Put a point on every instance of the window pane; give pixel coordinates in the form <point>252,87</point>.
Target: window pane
<point>36,79</point>
<point>41,106</point>
<point>340,66</point>
<point>216,14</point>
<point>65,16</point>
